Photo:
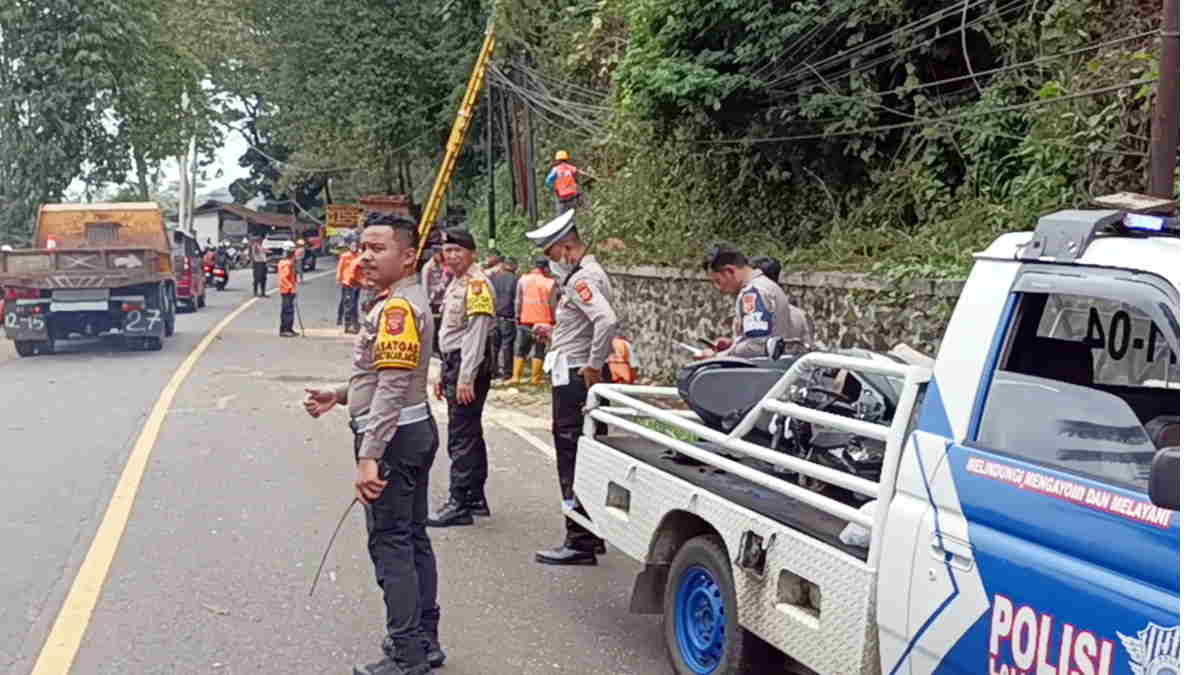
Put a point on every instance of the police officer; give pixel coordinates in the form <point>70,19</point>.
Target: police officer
<point>761,308</point>
<point>395,442</point>
<point>468,315</point>
<point>584,327</point>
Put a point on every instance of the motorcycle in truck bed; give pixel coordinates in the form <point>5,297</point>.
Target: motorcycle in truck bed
<point>1011,508</point>
<point>94,270</point>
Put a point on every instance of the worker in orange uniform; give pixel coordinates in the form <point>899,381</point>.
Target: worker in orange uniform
<point>563,179</point>
<point>623,362</point>
<point>287,294</point>
<point>537,294</point>
<point>347,269</point>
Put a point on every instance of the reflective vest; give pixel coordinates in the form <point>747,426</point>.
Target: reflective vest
<point>564,181</point>
<point>287,276</point>
<point>535,299</point>
<point>621,362</point>
<point>344,271</point>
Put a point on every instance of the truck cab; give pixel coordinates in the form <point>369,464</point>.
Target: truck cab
<point>1026,516</point>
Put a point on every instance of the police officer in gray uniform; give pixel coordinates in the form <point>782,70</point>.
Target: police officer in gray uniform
<point>585,325</point>
<point>762,306</point>
<point>468,317</point>
<point>395,442</point>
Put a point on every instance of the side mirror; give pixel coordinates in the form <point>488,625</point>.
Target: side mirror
<point>1164,479</point>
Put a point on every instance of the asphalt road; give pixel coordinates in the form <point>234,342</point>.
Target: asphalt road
<point>238,499</point>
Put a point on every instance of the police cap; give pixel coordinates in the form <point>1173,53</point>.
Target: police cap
<point>461,237</point>
<point>549,234</point>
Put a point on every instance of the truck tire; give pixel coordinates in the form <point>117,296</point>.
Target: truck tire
<point>169,309</point>
<point>26,347</point>
<point>189,305</point>
<point>202,300</point>
<point>700,619</point>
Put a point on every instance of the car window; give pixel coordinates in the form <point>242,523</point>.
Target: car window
<point>1086,385</point>
<point>1127,347</point>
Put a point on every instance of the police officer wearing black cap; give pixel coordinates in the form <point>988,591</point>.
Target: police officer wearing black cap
<point>584,326</point>
<point>468,315</point>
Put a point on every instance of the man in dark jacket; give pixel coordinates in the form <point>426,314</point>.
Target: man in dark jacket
<point>504,281</point>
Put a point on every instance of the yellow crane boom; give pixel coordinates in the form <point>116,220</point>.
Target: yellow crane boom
<point>458,136</point>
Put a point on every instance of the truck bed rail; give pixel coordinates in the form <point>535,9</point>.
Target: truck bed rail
<point>105,267</point>
<point>630,406</point>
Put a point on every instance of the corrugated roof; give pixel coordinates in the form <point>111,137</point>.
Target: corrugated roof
<point>258,217</point>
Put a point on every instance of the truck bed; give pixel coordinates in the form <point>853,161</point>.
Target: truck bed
<point>107,267</point>
<point>740,491</point>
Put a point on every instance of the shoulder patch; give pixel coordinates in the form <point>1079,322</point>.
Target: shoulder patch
<point>584,291</point>
<point>398,343</point>
<point>479,298</point>
<point>749,301</point>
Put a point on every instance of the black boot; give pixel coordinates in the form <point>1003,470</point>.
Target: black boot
<point>565,555</point>
<point>479,505</point>
<point>434,653</point>
<point>454,513</point>
<point>389,666</point>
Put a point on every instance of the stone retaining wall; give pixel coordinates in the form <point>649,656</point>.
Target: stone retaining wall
<point>659,306</point>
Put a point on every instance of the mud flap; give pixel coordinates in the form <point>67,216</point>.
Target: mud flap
<point>648,589</point>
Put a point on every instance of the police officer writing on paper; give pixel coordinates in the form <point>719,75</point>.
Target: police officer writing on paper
<point>761,307</point>
<point>395,442</point>
<point>468,314</point>
<point>585,325</point>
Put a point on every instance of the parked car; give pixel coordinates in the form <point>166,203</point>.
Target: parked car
<point>189,280</point>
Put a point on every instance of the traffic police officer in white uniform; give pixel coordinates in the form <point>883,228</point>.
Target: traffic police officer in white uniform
<point>585,325</point>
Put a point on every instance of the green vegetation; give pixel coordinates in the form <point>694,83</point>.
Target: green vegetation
<point>891,136</point>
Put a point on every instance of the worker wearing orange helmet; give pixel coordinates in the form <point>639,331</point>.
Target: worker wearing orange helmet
<point>563,179</point>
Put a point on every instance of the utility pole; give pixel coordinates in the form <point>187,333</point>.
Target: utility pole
<point>1164,132</point>
<point>533,185</point>
<point>491,172</point>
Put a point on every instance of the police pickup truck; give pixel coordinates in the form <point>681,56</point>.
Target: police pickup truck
<point>1025,520</point>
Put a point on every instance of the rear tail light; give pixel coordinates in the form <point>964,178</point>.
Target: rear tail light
<point>132,306</point>
<point>37,309</point>
<point>187,264</point>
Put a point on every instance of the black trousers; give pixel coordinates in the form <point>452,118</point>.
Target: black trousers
<point>567,405</point>
<point>503,336</point>
<point>405,566</point>
<point>348,307</point>
<point>287,312</point>
<point>528,342</point>
<point>464,442</point>
<point>260,277</point>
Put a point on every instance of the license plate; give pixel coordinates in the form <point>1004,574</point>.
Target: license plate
<point>79,295</point>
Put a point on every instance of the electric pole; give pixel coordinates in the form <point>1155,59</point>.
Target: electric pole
<point>491,149</point>
<point>1164,130</point>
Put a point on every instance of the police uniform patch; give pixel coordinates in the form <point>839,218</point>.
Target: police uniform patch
<point>394,319</point>
<point>584,291</point>
<point>757,321</point>
<point>398,343</point>
<point>748,299</point>
<point>479,298</point>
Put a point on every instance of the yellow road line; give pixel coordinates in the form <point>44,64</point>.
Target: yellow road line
<point>61,646</point>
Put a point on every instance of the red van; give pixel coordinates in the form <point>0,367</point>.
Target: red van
<point>189,273</point>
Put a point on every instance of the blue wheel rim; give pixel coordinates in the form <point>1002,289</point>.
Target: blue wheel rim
<point>700,620</point>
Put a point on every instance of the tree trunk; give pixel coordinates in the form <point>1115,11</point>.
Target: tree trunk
<point>139,162</point>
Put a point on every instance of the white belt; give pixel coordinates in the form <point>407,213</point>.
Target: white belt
<point>408,415</point>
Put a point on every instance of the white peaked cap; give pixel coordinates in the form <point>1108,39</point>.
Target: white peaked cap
<point>546,235</point>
